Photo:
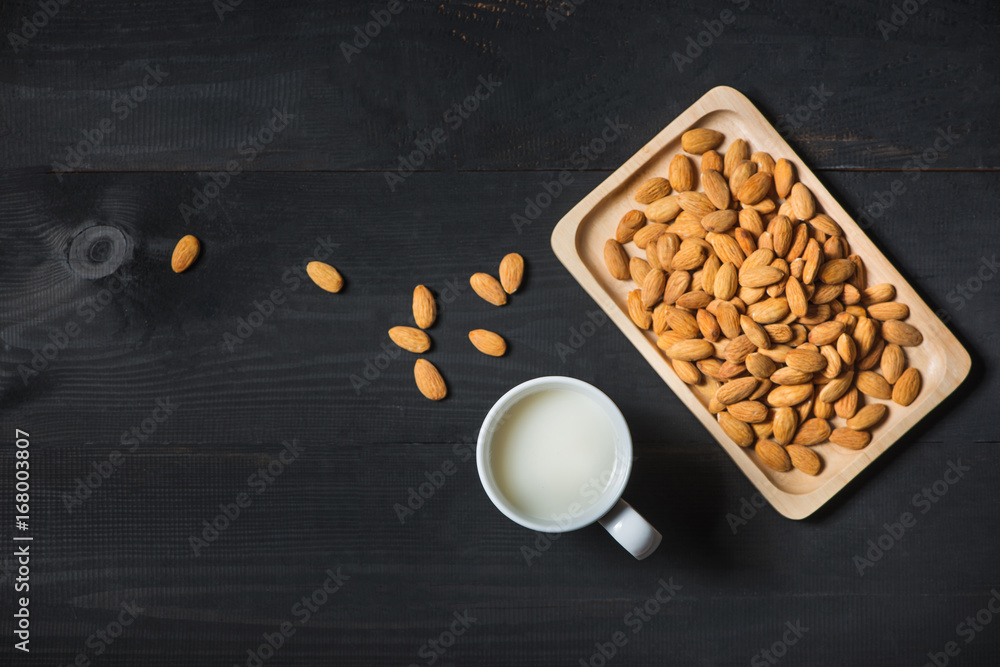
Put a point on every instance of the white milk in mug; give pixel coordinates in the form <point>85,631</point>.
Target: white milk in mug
<point>554,454</point>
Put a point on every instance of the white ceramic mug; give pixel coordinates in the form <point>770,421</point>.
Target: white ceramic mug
<point>624,523</point>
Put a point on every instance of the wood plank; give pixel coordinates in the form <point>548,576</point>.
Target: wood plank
<point>881,105</point>
<point>169,336</point>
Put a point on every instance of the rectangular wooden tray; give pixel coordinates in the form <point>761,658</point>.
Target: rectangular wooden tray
<point>578,241</point>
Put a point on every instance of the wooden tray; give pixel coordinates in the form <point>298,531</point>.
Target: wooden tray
<point>578,241</point>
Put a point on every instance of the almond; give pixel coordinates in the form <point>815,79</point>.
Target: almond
<point>846,348</point>
<point>716,188</point>
<point>630,223</point>
<point>812,432</point>
<point>784,177</point>
<point>865,336</point>
<point>823,410</point>
<point>759,365</point>
<point>666,247</point>
<point>729,319</point>
<point>888,310</point>
<point>488,288</point>
<point>803,202</point>
<point>761,257</point>
<point>800,237</point>
<point>727,249</point>
<point>837,387</point>
<point>424,307</point>
<point>700,140</point>
<point>871,360</point>
<point>511,272</point>
<point>833,361</point>
<point>764,162</point>
<point>429,380</point>
<point>826,333</point>
<point>785,423</point>
<point>752,412</point>
<point>813,255</point>
<point>677,285</point>
<point>850,439</point>
<point>836,271</point>
<point>901,333</point>
<point>663,210</point>
<point>686,371</point>
<point>789,395</point>
<point>694,299</point>
<point>720,221</point>
<point>688,258</point>
<point>735,391</point>
<point>638,268</point>
<point>652,288</point>
<point>806,361</point>
<point>185,253</point>
<point>649,234</point>
<point>781,234</point>
<point>616,259</point>
<point>769,311</point>
<point>726,281</point>
<point>651,190</point>
<point>740,432</point>
<point>860,277</point>
<point>728,370</point>
<point>803,458</point>
<point>755,188</point>
<point>738,349</point>
<point>740,174</point>
<point>759,276</point>
<point>637,312</point>
<point>874,385</point>
<point>868,416</point>
<point>773,455</point>
<point>695,203</point>
<point>796,297</point>
<point>711,160</point>
<point>847,405</point>
<point>683,323</point>
<point>893,363</point>
<point>780,333</point>
<point>681,173</point>
<point>488,342</point>
<point>410,339</point>
<point>325,276</point>
<point>737,152</point>
<point>907,387</point>
<point>878,294</point>
<point>755,332</point>
<point>691,350</point>
<point>751,221</point>
<point>660,318</point>
<point>826,224</point>
<point>668,338</point>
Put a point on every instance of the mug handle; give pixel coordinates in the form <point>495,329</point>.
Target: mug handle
<point>632,531</point>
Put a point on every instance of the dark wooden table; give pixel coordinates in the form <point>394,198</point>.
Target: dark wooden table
<point>158,405</point>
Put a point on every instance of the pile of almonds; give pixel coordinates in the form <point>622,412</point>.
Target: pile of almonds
<point>759,304</point>
<point>416,340</point>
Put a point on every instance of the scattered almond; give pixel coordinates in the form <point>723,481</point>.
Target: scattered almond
<point>488,342</point>
<point>424,307</point>
<point>488,288</point>
<point>429,380</point>
<point>325,276</point>
<point>185,253</point>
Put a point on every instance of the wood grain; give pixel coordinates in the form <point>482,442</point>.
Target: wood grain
<point>558,84</point>
<point>158,335</point>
